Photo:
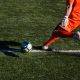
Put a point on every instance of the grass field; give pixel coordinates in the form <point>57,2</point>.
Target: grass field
<point>34,20</point>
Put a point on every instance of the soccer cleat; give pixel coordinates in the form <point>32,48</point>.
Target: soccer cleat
<point>76,35</point>
<point>45,47</point>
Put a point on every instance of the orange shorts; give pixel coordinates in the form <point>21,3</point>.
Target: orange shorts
<point>68,30</point>
<point>72,25</point>
<point>62,32</point>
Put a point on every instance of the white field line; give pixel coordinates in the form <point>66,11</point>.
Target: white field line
<point>58,51</point>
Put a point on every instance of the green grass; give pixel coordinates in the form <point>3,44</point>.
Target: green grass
<point>34,20</point>
<point>40,67</point>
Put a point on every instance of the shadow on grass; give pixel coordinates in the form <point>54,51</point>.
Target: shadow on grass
<point>75,54</point>
<point>8,48</point>
<point>37,47</point>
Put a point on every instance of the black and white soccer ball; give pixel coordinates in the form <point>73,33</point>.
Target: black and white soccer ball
<point>26,46</point>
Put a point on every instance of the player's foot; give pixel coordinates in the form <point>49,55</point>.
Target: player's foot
<point>45,47</point>
<point>77,35</point>
<point>42,48</point>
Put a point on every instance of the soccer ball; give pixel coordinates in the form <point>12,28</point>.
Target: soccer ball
<point>26,46</point>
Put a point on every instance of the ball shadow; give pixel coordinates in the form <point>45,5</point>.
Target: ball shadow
<point>8,48</point>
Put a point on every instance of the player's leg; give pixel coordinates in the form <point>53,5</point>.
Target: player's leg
<point>62,32</point>
<point>51,40</point>
<point>54,37</point>
<point>56,34</point>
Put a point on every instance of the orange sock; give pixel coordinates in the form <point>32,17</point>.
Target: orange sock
<point>51,40</point>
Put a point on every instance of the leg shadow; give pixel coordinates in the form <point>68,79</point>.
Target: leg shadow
<point>37,47</point>
<point>40,48</point>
